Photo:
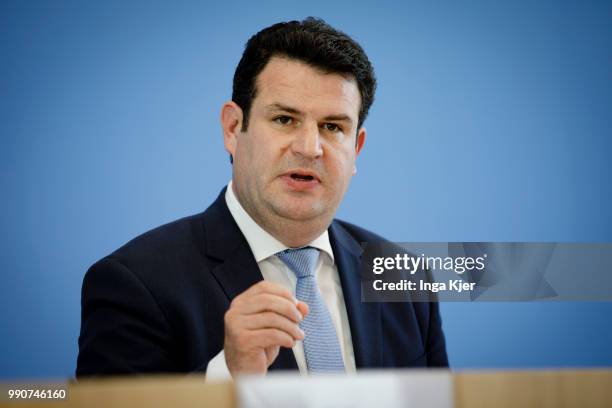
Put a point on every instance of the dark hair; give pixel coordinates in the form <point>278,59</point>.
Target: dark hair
<point>312,41</point>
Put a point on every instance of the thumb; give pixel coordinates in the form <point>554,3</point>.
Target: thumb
<point>271,354</point>
<point>303,308</point>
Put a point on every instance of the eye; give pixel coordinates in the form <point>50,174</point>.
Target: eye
<point>283,120</point>
<point>332,127</point>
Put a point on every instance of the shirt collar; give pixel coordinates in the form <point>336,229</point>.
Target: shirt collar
<point>263,244</point>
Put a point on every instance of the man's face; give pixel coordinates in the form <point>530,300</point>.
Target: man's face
<point>297,157</point>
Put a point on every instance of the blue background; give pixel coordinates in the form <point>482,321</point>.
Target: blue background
<point>493,122</point>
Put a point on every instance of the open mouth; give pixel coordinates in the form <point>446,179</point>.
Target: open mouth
<point>301,177</point>
<point>302,180</point>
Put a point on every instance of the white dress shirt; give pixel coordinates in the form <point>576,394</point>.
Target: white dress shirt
<point>264,247</point>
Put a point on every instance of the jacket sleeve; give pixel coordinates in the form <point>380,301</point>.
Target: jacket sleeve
<point>435,342</point>
<point>123,329</point>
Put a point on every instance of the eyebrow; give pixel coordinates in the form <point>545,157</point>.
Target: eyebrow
<point>277,106</point>
<point>339,118</point>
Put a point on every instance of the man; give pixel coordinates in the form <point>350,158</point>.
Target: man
<point>265,278</point>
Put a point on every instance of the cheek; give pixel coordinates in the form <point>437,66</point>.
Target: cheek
<point>341,166</point>
<point>264,143</point>
<point>263,156</point>
<point>249,148</point>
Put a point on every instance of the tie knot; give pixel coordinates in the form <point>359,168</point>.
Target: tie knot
<point>302,261</point>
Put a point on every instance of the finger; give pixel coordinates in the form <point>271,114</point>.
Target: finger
<point>273,321</point>
<point>264,338</point>
<point>266,302</point>
<point>271,288</point>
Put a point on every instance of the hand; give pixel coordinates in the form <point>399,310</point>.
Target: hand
<point>259,321</point>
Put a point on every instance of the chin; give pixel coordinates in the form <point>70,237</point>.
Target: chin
<point>300,211</point>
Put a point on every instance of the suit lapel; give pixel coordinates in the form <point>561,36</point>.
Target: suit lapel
<point>364,317</point>
<point>238,269</point>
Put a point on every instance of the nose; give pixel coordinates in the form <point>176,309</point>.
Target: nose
<point>307,141</point>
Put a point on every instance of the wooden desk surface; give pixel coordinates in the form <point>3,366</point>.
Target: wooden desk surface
<point>538,388</point>
<point>146,391</point>
<point>535,388</point>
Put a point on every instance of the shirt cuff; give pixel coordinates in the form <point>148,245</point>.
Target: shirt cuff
<point>217,370</point>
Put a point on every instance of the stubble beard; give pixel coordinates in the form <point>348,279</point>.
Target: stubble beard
<point>285,223</point>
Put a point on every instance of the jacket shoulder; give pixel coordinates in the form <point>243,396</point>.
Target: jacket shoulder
<point>165,239</point>
<point>360,234</point>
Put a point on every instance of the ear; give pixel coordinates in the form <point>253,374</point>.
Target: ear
<point>231,122</point>
<point>361,137</point>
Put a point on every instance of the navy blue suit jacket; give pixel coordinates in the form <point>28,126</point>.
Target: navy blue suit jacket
<point>157,303</point>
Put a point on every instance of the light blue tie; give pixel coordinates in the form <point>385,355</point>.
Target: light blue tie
<point>321,345</point>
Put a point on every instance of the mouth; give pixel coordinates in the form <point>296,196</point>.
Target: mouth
<point>303,175</point>
<point>300,179</point>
